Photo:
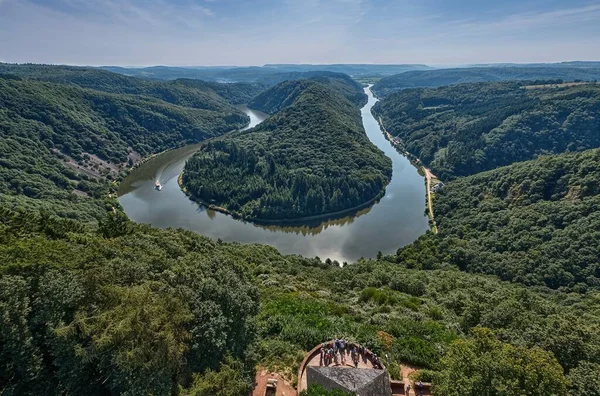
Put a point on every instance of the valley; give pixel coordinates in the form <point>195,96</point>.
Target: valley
<point>343,238</point>
<point>109,285</point>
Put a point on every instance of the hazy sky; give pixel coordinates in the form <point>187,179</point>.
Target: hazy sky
<point>255,32</point>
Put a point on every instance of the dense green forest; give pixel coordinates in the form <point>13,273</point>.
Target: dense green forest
<point>311,158</point>
<point>285,94</point>
<point>504,300</point>
<point>536,222</point>
<point>188,93</point>
<point>468,128</point>
<point>132,309</point>
<point>63,144</point>
<point>441,77</point>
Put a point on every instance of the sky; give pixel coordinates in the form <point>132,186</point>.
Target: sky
<point>257,32</point>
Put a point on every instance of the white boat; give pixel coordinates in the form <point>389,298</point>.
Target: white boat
<point>158,186</point>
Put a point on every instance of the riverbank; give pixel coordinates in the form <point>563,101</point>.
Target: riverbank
<point>396,220</point>
<point>416,162</point>
<point>285,222</point>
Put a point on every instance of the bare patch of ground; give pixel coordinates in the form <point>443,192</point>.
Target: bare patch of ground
<point>284,388</point>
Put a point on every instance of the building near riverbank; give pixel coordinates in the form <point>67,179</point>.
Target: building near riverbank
<point>437,187</point>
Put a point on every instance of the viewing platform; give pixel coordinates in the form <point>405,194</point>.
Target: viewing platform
<point>368,378</point>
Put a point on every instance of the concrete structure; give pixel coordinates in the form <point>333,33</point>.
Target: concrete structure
<point>359,381</point>
<point>364,371</point>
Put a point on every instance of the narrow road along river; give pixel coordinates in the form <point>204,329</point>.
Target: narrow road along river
<point>397,220</point>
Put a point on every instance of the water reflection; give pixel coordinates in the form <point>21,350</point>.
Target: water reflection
<point>398,219</point>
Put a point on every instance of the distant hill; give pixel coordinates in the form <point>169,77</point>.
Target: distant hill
<point>274,73</point>
<point>311,158</point>
<point>234,93</point>
<point>580,64</point>
<point>208,96</point>
<point>282,95</point>
<point>354,70</point>
<point>463,129</point>
<point>441,77</point>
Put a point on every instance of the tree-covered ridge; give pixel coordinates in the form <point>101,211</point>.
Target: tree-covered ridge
<point>280,96</point>
<point>464,129</point>
<point>535,222</point>
<point>140,310</point>
<point>270,73</point>
<point>83,120</point>
<point>441,77</point>
<point>286,93</point>
<point>60,139</point>
<point>311,158</point>
<point>234,93</point>
<point>187,93</point>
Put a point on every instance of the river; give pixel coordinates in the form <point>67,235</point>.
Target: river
<point>395,221</point>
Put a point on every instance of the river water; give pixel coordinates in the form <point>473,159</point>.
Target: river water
<point>397,220</point>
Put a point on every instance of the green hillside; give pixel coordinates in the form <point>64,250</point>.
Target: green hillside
<point>535,222</point>
<point>286,93</point>
<point>441,77</point>
<point>234,93</point>
<point>61,142</point>
<point>188,93</point>
<point>311,158</point>
<point>142,310</point>
<point>464,129</point>
<point>504,300</point>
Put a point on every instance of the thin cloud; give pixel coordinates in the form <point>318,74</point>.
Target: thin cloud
<point>204,32</point>
<point>535,19</point>
<point>137,13</point>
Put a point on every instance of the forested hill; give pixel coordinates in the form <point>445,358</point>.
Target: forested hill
<point>234,93</point>
<point>468,128</point>
<point>133,309</point>
<point>272,73</point>
<point>311,158</point>
<point>59,140</point>
<point>441,77</point>
<point>197,94</point>
<point>123,308</point>
<point>535,222</point>
<point>284,94</point>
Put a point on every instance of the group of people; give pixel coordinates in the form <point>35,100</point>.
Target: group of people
<point>331,350</point>
<point>418,390</point>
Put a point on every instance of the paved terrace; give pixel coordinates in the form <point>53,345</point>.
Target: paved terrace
<point>313,358</point>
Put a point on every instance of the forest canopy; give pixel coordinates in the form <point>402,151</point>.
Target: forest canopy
<point>62,144</point>
<point>468,128</point>
<point>311,158</point>
<point>504,300</point>
<point>201,313</point>
<point>534,222</point>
